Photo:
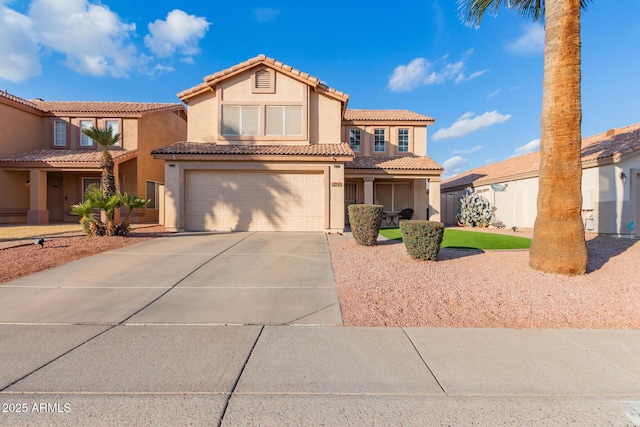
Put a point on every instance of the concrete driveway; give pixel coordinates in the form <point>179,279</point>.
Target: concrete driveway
<point>188,278</point>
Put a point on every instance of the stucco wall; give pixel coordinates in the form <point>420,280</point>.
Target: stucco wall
<point>154,131</point>
<point>20,130</point>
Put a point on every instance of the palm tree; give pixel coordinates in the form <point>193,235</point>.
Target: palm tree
<point>558,244</point>
<point>106,139</point>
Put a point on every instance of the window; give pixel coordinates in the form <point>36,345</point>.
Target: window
<point>86,182</point>
<point>153,193</point>
<point>355,138</point>
<point>394,197</point>
<point>85,141</point>
<point>240,120</point>
<point>283,120</point>
<point>60,133</point>
<point>403,140</point>
<point>115,128</point>
<point>379,141</point>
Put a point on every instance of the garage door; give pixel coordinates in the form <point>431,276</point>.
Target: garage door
<point>254,201</point>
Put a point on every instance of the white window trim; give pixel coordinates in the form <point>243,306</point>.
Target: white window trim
<point>241,134</point>
<point>284,120</point>
<point>384,141</point>
<point>359,139</point>
<point>92,143</point>
<point>66,133</point>
<point>408,140</point>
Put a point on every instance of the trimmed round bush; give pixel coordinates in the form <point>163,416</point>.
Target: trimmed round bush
<point>365,223</point>
<point>422,238</point>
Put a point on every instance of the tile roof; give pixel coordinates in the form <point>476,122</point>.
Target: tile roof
<point>57,157</point>
<point>339,149</point>
<point>104,107</point>
<point>212,79</point>
<point>393,162</point>
<point>613,145</point>
<point>385,115</point>
<point>7,95</point>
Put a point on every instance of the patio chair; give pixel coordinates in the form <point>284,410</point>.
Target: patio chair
<point>405,214</point>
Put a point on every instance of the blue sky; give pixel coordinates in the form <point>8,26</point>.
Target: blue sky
<point>483,86</point>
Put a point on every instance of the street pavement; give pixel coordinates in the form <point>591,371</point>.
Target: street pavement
<point>245,329</point>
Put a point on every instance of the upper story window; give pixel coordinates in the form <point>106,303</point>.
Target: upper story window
<point>60,138</point>
<point>379,144</point>
<point>85,141</point>
<point>283,120</point>
<point>403,140</point>
<point>263,81</point>
<point>355,139</point>
<point>115,128</point>
<point>240,120</point>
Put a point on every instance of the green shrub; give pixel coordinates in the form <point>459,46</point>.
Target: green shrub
<point>365,223</point>
<point>474,210</point>
<point>422,238</point>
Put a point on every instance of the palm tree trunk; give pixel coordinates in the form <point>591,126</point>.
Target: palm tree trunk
<point>558,244</point>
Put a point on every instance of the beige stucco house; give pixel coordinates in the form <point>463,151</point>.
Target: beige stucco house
<point>46,162</point>
<point>271,148</point>
<point>610,185</point>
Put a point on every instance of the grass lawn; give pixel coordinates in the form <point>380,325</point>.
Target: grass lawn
<point>459,239</point>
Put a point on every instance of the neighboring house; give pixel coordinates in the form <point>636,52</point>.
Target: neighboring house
<point>271,148</point>
<point>610,185</point>
<point>46,162</point>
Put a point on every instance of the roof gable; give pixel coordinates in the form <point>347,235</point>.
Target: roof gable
<point>212,80</point>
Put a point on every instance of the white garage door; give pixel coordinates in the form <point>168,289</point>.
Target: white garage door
<point>254,201</point>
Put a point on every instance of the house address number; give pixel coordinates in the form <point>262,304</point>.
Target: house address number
<point>336,184</point>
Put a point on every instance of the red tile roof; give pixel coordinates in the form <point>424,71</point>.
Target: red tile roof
<point>211,80</point>
<point>339,149</point>
<point>385,115</point>
<point>393,162</point>
<point>6,95</point>
<point>611,145</point>
<point>57,157</point>
<point>94,107</point>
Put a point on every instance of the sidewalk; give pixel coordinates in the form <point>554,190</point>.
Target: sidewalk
<point>136,374</point>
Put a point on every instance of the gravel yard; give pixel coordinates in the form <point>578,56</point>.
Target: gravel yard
<point>383,286</point>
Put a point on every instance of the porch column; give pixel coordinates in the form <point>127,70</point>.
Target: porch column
<point>37,213</point>
<point>420,202</point>
<point>368,190</point>
<point>434,199</point>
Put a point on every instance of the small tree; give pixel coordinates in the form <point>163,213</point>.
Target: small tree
<point>95,199</point>
<point>474,210</point>
<point>105,138</point>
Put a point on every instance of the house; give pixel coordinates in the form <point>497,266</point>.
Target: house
<point>610,185</point>
<point>271,148</point>
<point>46,162</point>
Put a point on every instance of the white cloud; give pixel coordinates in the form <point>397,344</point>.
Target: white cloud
<point>407,77</point>
<point>462,78</point>
<point>468,150</point>
<point>265,14</point>
<point>529,147</point>
<point>493,94</point>
<point>469,123</point>
<point>180,33</point>
<point>530,42</point>
<point>93,39</point>
<point>453,166</point>
<point>18,47</point>
<point>421,72</point>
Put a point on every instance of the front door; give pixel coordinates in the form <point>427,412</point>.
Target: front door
<point>350,198</point>
<point>54,197</point>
